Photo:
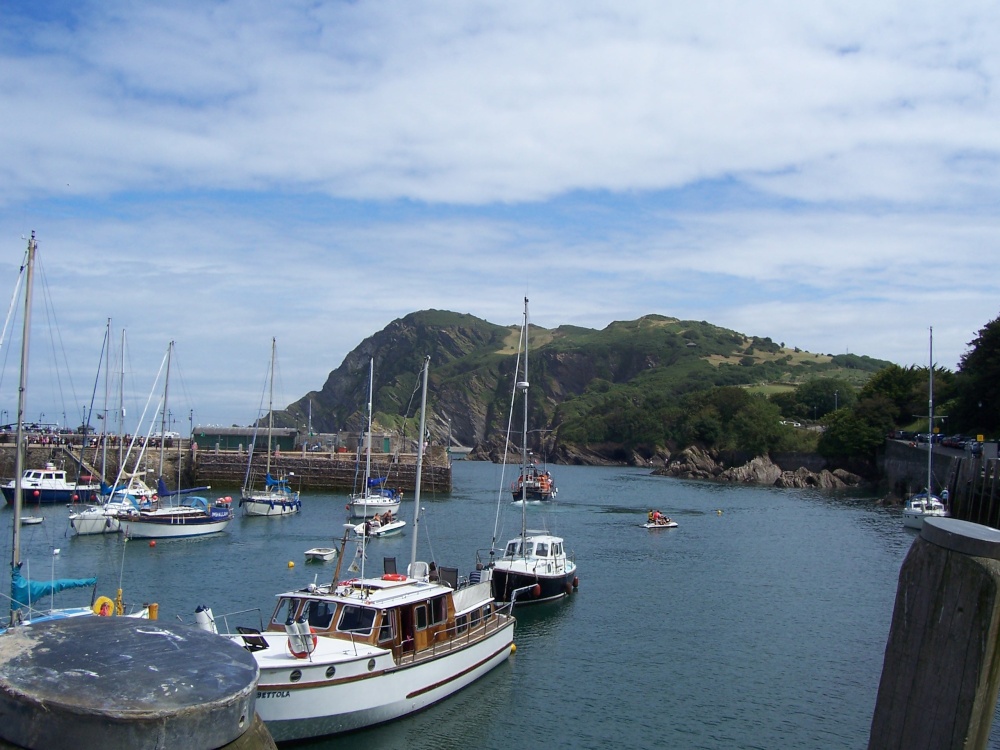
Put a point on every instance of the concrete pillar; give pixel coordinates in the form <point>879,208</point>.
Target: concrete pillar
<point>120,683</point>
<point>941,670</point>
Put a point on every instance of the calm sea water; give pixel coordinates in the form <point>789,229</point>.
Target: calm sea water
<point>760,622</point>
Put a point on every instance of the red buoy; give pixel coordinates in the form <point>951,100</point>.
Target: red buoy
<point>536,590</point>
<point>152,542</point>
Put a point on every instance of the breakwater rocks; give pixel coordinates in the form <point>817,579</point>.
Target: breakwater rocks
<point>696,463</point>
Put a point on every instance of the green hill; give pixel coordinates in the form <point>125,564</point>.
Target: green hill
<point>621,385</point>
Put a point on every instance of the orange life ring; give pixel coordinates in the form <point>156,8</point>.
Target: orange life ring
<point>393,577</point>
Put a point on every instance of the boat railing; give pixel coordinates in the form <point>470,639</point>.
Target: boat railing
<point>224,619</point>
<point>460,636</point>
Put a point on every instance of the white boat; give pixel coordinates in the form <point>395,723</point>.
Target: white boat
<point>535,566</point>
<point>926,504</point>
<point>97,519</point>
<point>321,554</point>
<point>353,653</point>
<point>921,506</point>
<point>276,497</point>
<point>374,497</point>
<point>663,524</point>
<point>371,529</point>
<point>31,520</point>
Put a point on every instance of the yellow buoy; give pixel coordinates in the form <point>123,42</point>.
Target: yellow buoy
<point>291,564</point>
<point>513,648</point>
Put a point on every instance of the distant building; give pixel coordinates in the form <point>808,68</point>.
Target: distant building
<point>210,437</point>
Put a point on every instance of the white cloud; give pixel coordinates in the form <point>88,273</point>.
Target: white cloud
<point>220,173</point>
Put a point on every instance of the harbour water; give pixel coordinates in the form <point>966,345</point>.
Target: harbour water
<point>760,622</point>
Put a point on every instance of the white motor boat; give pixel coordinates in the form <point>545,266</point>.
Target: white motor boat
<point>665,523</point>
<point>372,529</point>
<point>347,655</point>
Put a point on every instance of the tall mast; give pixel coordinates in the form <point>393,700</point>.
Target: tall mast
<point>107,385</point>
<point>523,387</point>
<point>368,450</point>
<point>121,411</point>
<point>15,561</point>
<point>420,463</point>
<point>270,407</point>
<point>930,416</point>
<point>163,410</point>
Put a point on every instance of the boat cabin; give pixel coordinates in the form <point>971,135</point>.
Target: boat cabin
<point>530,547</point>
<point>405,615</point>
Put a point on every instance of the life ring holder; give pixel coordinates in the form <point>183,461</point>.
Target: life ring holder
<point>394,577</point>
<point>103,607</point>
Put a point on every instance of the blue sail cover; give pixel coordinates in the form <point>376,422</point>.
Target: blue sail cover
<point>376,481</point>
<point>162,491</point>
<point>270,481</point>
<point>23,591</point>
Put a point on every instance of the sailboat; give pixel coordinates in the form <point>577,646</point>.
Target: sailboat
<point>25,593</point>
<point>374,497</point>
<point>348,654</point>
<point>534,483</point>
<point>926,504</point>
<point>535,566</point>
<point>275,498</point>
<point>154,515</point>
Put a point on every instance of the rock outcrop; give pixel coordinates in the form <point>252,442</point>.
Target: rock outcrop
<point>696,463</point>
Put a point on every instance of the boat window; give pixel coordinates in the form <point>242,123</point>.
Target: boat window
<point>511,549</point>
<point>461,623</point>
<point>385,631</point>
<point>439,610</point>
<point>320,614</point>
<point>556,549</point>
<point>542,549</point>
<point>474,617</point>
<point>285,611</point>
<point>421,616</point>
<point>355,619</point>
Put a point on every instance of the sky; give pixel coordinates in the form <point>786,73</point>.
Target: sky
<point>219,174</point>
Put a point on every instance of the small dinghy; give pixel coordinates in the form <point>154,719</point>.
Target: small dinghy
<point>31,520</point>
<point>321,554</point>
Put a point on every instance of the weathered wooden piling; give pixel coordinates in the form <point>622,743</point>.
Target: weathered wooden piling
<point>121,683</point>
<point>941,670</point>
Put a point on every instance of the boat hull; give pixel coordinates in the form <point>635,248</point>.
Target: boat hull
<point>50,496</point>
<point>320,554</point>
<point>551,586</point>
<point>94,522</point>
<point>367,690</point>
<point>366,508</point>
<point>270,506</point>
<point>914,520</point>
<point>173,526</point>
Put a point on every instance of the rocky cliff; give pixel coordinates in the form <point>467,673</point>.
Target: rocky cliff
<point>696,463</point>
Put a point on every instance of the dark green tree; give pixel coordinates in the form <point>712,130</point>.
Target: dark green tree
<point>976,406</point>
<point>821,396</point>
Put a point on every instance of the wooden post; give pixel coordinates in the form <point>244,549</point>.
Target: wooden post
<point>941,670</point>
